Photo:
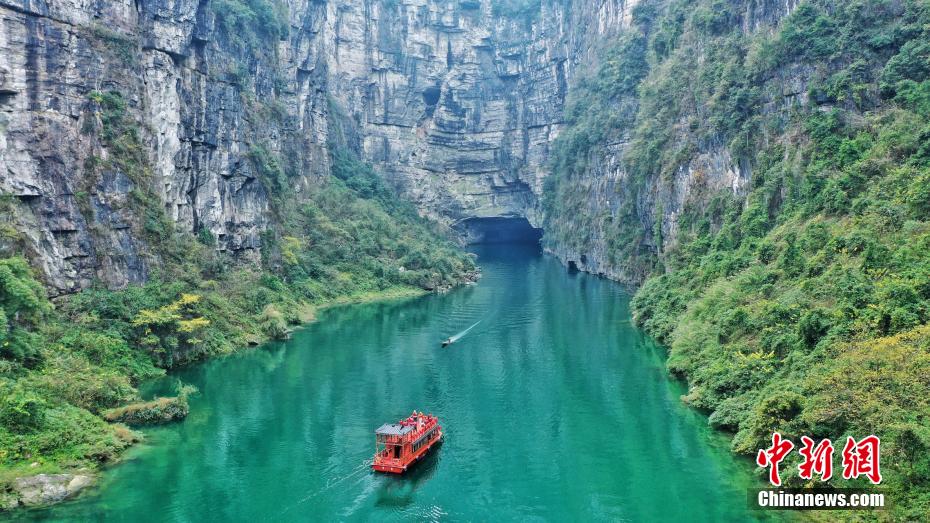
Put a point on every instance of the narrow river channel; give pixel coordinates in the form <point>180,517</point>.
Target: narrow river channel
<point>555,408</point>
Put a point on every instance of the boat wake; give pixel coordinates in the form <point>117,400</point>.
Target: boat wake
<point>354,473</point>
<point>457,337</point>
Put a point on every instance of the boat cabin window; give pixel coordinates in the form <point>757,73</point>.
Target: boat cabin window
<point>396,451</point>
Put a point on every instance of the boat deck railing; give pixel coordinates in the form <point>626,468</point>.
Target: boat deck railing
<point>385,455</point>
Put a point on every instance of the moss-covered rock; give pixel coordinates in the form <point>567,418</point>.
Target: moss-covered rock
<point>159,410</point>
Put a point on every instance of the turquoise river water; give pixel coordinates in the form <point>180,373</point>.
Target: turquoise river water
<point>554,406</point>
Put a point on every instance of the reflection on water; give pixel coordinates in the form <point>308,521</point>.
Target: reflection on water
<point>556,408</point>
<point>398,491</point>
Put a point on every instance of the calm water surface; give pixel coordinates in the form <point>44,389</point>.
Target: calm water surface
<point>554,406</point>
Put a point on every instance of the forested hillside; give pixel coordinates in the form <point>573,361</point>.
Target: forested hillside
<point>774,192</point>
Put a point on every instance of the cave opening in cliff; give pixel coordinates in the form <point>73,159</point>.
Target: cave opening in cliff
<point>499,230</point>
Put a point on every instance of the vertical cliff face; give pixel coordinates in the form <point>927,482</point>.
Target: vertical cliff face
<point>625,181</point>
<point>457,102</point>
<point>118,116</point>
<point>120,119</point>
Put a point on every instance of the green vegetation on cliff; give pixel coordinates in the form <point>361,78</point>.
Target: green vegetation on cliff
<point>801,304</point>
<point>251,24</point>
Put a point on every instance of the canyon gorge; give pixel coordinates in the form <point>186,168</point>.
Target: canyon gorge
<point>453,104</point>
<point>758,169</point>
<point>456,104</point>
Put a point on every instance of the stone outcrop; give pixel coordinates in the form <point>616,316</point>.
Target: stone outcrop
<point>455,102</point>
<point>44,489</point>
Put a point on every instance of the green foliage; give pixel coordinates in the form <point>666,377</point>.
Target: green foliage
<point>911,63</point>
<point>171,329</point>
<point>157,411</point>
<point>354,235</point>
<point>272,322</point>
<point>715,18</point>
<point>362,179</point>
<point>760,309</point>
<point>22,307</point>
<point>206,237</point>
<point>59,376</point>
<point>269,169</point>
<point>66,434</point>
<point>22,410</point>
<point>772,300</point>
<point>252,24</point>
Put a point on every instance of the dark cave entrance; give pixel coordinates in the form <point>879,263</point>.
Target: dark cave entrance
<point>431,95</point>
<point>499,230</point>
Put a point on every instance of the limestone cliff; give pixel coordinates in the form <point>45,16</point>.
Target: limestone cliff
<point>455,102</point>
<point>615,208</point>
<point>197,102</point>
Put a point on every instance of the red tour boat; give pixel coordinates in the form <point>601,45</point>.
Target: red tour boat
<point>400,445</point>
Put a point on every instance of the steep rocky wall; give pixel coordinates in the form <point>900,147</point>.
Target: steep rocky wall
<point>607,185</point>
<point>168,63</point>
<point>47,66</point>
<point>455,102</point>
<point>457,105</point>
<point>657,205</point>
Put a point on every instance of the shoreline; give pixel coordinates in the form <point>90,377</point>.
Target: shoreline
<point>56,483</point>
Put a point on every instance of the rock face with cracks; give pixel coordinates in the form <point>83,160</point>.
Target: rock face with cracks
<point>456,103</point>
<point>44,489</point>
